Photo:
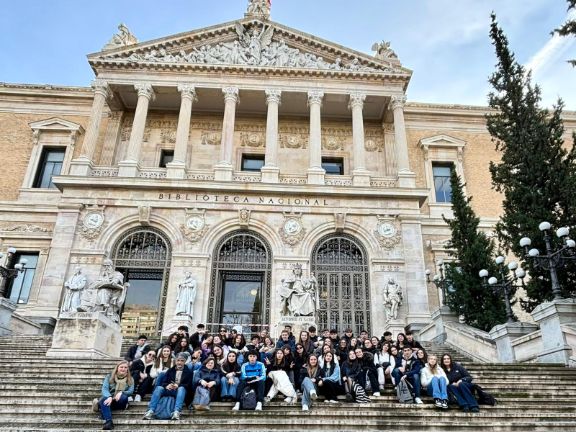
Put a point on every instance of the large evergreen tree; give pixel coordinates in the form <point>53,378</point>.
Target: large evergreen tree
<point>472,251</point>
<point>536,174</point>
<point>569,27</point>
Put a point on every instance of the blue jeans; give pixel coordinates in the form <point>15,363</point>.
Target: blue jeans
<point>463,394</point>
<point>179,394</point>
<point>307,387</point>
<point>438,388</point>
<point>106,410</point>
<point>229,390</point>
<point>413,379</point>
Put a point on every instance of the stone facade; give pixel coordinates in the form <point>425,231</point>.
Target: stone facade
<point>154,98</point>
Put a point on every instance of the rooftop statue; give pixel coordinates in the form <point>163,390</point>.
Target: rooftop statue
<point>121,39</point>
<point>383,51</point>
<point>258,9</point>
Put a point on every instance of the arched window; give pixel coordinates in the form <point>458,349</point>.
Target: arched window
<point>143,255</point>
<point>240,288</point>
<point>341,267</point>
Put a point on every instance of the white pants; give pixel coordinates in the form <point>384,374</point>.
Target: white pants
<point>382,375</point>
<point>281,383</point>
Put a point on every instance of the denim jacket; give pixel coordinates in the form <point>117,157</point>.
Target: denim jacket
<point>109,390</point>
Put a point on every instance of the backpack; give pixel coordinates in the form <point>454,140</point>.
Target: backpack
<point>248,399</point>
<point>165,408</point>
<point>483,397</point>
<point>403,392</point>
<point>201,399</point>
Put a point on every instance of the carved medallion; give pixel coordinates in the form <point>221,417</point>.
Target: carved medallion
<point>195,226</point>
<point>244,217</point>
<point>292,230</point>
<point>252,139</point>
<point>388,232</point>
<point>92,222</point>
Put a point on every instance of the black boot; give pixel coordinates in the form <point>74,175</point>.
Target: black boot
<point>108,425</point>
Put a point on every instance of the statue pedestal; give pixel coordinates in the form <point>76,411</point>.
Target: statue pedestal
<point>176,322</point>
<point>86,335</point>
<point>504,334</point>
<point>298,324</point>
<point>7,308</point>
<point>395,326</point>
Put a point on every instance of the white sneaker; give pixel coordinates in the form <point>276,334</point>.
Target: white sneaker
<point>313,395</point>
<point>377,394</point>
<point>149,415</point>
<point>267,400</point>
<point>95,405</point>
<point>259,406</point>
<point>304,407</point>
<point>333,401</point>
<point>138,398</point>
<point>418,401</point>
<point>130,399</point>
<point>326,401</point>
<point>236,407</point>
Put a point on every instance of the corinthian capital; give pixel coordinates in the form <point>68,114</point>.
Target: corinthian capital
<point>357,100</point>
<point>100,86</point>
<point>146,90</point>
<point>187,91</point>
<point>231,94</point>
<point>273,96</point>
<point>398,102</point>
<point>315,97</point>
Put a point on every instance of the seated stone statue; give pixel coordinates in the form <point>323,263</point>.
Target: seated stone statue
<point>298,295</point>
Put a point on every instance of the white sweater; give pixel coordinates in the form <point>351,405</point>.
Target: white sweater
<point>426,375</point>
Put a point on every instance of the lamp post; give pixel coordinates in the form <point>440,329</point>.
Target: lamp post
<point>506,283</point>
<point>554,259</point>
<point>440,281</point>
<point>8,270</point>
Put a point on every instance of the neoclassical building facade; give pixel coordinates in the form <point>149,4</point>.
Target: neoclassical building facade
<point>235,152</point>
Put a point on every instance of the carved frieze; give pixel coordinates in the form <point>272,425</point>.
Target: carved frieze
<point>210,138</point>
<point>253,139</point>
<point>373,140</point>
<point>26,228</point>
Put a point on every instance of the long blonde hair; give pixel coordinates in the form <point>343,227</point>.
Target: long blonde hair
<point>435,368</point>
<point>114,373</point>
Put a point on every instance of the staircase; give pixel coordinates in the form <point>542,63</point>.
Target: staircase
<point>37,393</point>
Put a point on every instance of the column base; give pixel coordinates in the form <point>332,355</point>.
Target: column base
<point>504,334</point>
<point>176,170</point>
<point>316,176</point>
<point>81,167</point>
<point>361,177</point>
<point>86,335</point>
<point>128,168</point>
<point>223,172</point>
<point>551,316</point>
<point>406,179</point>
<point>7,308</point>
<point>270,174</point>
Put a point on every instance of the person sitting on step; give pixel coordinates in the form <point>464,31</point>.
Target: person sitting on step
<point>208,376</point>
<point>140,372</point>
<point>137,350</point>
<point>164,361</point>
<point>280,383</point>
<point>254,376</point>
<point>117,387</point>
<point>350,371</point>
<point>385,362</point>
<point>369,369</point>
<point>460,384</point>
<point>176,382</point>
<point>330,386</point>
<point>433,378</point>
<point>230,372</point>
<point>409,370</point>
<point>268,348</point>
<point>310,376</point>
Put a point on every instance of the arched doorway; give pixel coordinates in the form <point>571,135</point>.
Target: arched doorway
<point>240,287</point>
<point>143,255</point>
<point>341,266</point>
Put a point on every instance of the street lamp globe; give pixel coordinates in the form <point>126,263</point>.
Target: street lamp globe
<point>525,241</point>
<point>492,280</point>
<point>533,252</point>
<point>570,243</point>
<point>499,260</point>
<point>520,273</point>
<point>483,273</point>
<point>544,226</point>
<point>562,232</point>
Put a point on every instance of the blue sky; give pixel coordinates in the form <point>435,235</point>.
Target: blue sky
<point>445,42</point>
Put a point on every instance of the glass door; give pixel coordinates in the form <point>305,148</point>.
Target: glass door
<point>242,300</point>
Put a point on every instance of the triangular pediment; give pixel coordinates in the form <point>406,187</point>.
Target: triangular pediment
<point>253,45</point>
<point>55,124</point>
<point>442,141</point>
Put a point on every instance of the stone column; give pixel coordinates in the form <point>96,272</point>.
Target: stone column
<point>270,170</point>
<point>223,171</point>
<point>130,166</point>
<point>315,171</point>
<point>177,168</point>
<point>406,178</point>
<point>360,176</point>
<point>83,164</point>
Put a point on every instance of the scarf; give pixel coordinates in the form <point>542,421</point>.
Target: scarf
<point>121,383</point>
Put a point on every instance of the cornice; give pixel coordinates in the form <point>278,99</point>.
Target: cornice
<point>52,90</point>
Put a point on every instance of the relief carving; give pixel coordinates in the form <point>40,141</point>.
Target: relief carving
<point>252,139</point>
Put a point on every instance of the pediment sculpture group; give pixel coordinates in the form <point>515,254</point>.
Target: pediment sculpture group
<point>255,48</point>
<point>107,294</point>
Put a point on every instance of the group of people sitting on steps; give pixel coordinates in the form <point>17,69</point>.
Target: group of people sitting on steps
<point>193,370</point>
